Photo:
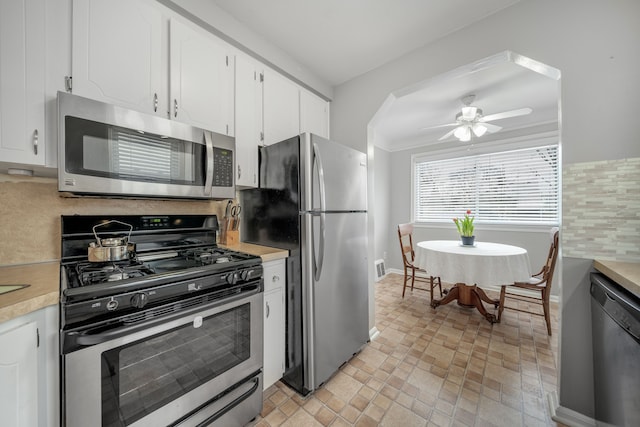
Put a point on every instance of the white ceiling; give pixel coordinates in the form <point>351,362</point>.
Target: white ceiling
<point>502,86</point>
<point>342,39</point>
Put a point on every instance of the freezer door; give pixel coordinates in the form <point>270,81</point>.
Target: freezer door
<point>336,297</point>
<point>333,174</point>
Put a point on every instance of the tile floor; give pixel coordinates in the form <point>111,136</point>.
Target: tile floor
<point>443,367</point>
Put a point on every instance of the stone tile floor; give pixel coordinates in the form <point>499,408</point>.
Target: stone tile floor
<point>443,367</point>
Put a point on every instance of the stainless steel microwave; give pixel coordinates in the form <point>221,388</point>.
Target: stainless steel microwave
<point>108,150</point>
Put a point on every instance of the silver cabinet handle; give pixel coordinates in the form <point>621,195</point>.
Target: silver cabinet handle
<point>35,142</point>
<point>268,310</point>
<point>275,279</point>
<point>175,108</point>
<point>155,102</point>
<point>239,171</point>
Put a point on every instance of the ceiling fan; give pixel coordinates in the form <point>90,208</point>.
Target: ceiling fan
<point>471,121</point>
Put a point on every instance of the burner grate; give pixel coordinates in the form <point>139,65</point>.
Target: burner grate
<point>92,273</point>
<point>206,256</point>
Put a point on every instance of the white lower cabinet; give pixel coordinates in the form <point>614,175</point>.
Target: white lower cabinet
<point>19,376</point>
<point>274,321</point>
<point>29,370</point>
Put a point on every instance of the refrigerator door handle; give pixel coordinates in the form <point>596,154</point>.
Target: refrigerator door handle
<point>318,264</point>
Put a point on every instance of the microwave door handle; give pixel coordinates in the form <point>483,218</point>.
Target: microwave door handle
<point>208,182</point>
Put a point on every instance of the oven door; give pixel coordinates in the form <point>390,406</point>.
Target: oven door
<point>185,371</point>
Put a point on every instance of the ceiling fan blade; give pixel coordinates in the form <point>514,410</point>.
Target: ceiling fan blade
<point>491,127</point>
<point>440,126</point>
<point>447,135</point>
<point>506,114</point>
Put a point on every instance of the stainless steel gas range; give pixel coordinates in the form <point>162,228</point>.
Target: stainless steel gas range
<point>159,325</point>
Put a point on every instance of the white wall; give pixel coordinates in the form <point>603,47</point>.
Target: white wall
<point>383,183</point>
<point>595,46</point>
<point>593,43</point>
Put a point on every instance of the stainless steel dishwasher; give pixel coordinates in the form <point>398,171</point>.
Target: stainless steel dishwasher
<point>615,316</point>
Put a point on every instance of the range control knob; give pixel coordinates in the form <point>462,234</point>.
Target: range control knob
<point>244,275</point>
<point>139,300</point>
<point>232,278</point>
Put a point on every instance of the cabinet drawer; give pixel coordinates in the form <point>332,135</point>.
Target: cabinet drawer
<point>274,275</point>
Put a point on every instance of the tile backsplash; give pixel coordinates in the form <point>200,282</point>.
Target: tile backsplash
<point>601,210</point>
<point>30,210</point>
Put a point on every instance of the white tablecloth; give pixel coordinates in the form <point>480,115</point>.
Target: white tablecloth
<point>484,264</point>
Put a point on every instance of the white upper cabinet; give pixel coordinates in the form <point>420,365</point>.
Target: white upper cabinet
<point>201,75</point>
<point>118,55</point>
<point>281,107</point>
<point>248,119</point>
<point>314,114</point>
<point>22,81</point>
<point>139,55</point>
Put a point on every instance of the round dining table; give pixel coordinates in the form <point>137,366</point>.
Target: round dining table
<point>469,267</point>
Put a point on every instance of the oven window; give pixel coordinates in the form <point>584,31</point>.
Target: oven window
<point>141,377</point>
<point>102,150</point>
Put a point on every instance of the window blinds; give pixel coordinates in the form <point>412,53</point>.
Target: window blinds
<point>512,187</point>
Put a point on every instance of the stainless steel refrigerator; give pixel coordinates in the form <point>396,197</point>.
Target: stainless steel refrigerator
<point>312,200</point>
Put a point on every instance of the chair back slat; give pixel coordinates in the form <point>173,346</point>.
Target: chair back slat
<point>405,237</point>
<point>550,264</point>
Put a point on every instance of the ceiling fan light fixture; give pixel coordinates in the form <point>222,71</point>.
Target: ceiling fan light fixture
<point>479,129</point>
<point>463,133</point>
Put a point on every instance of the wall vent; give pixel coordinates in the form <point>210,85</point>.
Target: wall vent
<point>380,270</point>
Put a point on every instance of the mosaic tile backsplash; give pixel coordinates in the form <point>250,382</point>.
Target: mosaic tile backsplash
<point>601,210</point>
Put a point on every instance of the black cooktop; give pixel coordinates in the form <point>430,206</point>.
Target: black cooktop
<point>164,246</point>
<point>173,258</point>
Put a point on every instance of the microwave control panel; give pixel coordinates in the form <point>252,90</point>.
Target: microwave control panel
<point>222,167</point>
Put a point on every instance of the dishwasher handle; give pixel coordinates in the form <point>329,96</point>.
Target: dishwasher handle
<point>619,304</point>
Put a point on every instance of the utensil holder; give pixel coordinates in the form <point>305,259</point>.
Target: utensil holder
<point>230,237</point>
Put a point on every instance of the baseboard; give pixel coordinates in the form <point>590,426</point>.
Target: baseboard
<point>373,333</point>
<point>523,292</point>
<point>567,416</point>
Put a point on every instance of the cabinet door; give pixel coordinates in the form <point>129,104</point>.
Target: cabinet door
<point>281,108</point>
<point>248,120</point>
<point>22,77</point>
<point>314,114</point>
<point>19,376</point>
<point>117,54</point>
<point>274,336</point>
<point>274,321</point>
<point>201,79</point>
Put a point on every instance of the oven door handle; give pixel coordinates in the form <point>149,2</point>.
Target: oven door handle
<point>251,386</point>
<point>75,339</point>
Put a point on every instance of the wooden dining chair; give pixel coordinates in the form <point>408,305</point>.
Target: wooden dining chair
<point>405,236</point>
<point>539,282</point>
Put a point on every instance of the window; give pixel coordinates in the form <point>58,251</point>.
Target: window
<point>511,187</point>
